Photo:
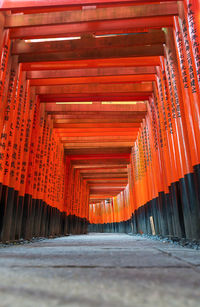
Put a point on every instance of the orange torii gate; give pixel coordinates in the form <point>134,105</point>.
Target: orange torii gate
<point>99,105</point>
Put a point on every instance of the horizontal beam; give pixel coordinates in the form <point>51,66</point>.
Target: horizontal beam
<point>100,189</point>
<point>96,130</point>
<point>98,145</point>
<point>90,72</point>
<point>70,139</point>
<point>119,62</point>
<point>102,140</point>
<point>100,114</point>
<point>99,80</point>
<point>99,140</point>
<point>112,187</point>
<point>83,151</point>
<point>131,134</point>
<point>94,166</point>
<point>106,176</point>
<point>112,192</point>
<point>107,186</point>
<point>104,169</point>
<point>97,125</point>
<point>22,5</point>
<point>97,27</point>
<point>97,157</point>
<point>103,174</point>
<point>108,192</point>
<point>106,183</point>
<point>94,97</point>
<point>96,120</point>
<point>87,108</point>
<point>100,162</point>
<point>97,197</point>
<point>100,200</point>
<point>137,39</point>
<point>100,133</point>
<point>100,172</point>
<point>103,180</point>
<point>110,13</point>
<point>133,116</point>
<point>95,88</point>
<point>103,133</point>
<point>96,201</point>
<point>105,53</point>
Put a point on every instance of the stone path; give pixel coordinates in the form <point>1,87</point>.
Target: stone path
<point>99,270</point>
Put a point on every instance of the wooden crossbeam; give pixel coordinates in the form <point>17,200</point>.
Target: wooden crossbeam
<point>95,88</point>
<point>98,145</point>
<point>87,109</point>
<point>96,201</point>
<point>100,133</point>
<point>103,139</point>
<point>102,163</point>
<point>99,80</point>
<point>110,179</point>
<point>74,64</point>
<point>106,191</point>
<point>93,97</point>
<point>96,120</point>
<point>96,130</point>
<point>104,169</point>
<point>130,116</point>
<point>98,157</point>
<point>96,125</point>
<point>102,180</point>
<point>63,131</point>
<point>104,150</point>
<point>105,176</point>
<point>137,39</point>
<point>103,53</point>
<point>96,198</point>
<point>24,5</point>
<point>94,166</point>
<point>106,186</point>
<point>101,171</point>
<point>97,27</point>
<point>99,14</point>
<point>91,72</point>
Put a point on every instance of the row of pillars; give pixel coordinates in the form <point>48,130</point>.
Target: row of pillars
<point>27,218</point>
<point>31,157</point>
<point>164,181</point>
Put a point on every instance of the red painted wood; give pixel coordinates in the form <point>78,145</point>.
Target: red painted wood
<point>88,42</point>
<point>97,27</point>
<point>99,80</point>
<point>31,4</point>
<point>119,62</point>
<point>91,72</point>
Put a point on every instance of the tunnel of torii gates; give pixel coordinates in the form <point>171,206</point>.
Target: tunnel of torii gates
<point>99,117</point>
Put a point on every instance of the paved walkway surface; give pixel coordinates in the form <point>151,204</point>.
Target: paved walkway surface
<point>99,270</point>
